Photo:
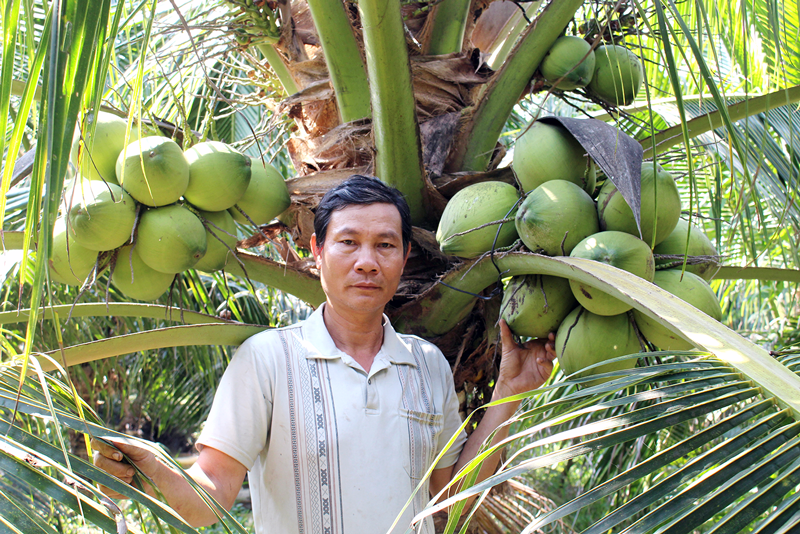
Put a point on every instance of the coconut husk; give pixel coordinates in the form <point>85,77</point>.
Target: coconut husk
<point>435,203</point>
<point>313,109</point>
<point>306,192</point>
<point>443,84</point>
<point>303,24</point>
<point>437,138</point>
<point>417,273</point>
<point>290,43</point>
<point>476,10</point>
<point>423,23</point>
<point>310,71</point>
<point>300,220</point>
<point>491,22</point>
<point>476,367</point>
<point>345,146</point>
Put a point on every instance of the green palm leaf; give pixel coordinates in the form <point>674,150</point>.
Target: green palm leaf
<point>671,400</point>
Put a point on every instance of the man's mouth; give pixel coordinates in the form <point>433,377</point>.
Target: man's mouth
<point>367,286</point>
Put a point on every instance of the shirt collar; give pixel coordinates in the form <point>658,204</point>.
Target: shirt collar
<point>319,343</point>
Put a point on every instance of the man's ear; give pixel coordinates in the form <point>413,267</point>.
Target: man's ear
<point>316,250</point>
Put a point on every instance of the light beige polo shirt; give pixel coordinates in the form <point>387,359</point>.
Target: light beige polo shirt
<point>330,448</point>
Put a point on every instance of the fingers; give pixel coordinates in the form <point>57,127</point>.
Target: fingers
<point>109,457</point>
<point>106,449</point>
<point>506,336</point>
<point>116,448</point>
<point>544,347</point>
<point>550,346</point>
<point>122,470</point>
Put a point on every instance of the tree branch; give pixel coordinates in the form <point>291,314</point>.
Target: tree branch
<point>398,161</point>
<point>343,57</point>
<point>477,139</point>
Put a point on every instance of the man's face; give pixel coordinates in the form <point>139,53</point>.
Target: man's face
<point>362,258</point>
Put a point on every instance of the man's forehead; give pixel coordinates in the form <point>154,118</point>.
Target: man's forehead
<point>350,218</point>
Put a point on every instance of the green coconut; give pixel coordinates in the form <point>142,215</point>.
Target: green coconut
<point>135,279</point>
<point>218,176</point>
<point>221,238</point>
<point>535,305</point>
<point>477,205</point>
<point>69,262</point>
<point>549,152</point>
<point>660,202</point>
<point>688,287</point>
<point>98,154</point>
<point>101,215</point>
<point>571,60</point>
<point>585,339</point>
<point>171,239</point>
<point>620,250</point>
<point>555,217</point>
<point>618,75</point>
<point>265,198</point>
<point>699,245</point>
<point>153,170</point>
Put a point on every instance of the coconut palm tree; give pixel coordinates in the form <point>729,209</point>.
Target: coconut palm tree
<point>429,97</point>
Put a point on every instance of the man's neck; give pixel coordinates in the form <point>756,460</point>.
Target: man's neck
<point>359,336</point>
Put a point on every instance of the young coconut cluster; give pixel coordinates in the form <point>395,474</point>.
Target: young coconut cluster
<point>611,72</point>
<point>563,213</point>
<point>158,210</point>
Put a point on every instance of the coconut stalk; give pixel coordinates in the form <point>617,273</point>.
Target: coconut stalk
<point>758,273</point>
<point>114,309</point>
<point>449,25</point>
<point>681,318</point>
<point>343,57</point>
<point>278,276</point>
<point>666,139</point>
<point>398,158</point>
<point>280,69</point>
<point>477,139</point>
<point>173,336</point>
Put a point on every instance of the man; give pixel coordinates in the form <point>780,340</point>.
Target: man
<point>338,418</point>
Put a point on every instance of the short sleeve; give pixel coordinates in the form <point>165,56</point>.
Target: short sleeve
<point>239,421</point>
<point>452,420</point>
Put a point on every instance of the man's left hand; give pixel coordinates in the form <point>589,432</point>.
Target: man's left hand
<point>523,367</point>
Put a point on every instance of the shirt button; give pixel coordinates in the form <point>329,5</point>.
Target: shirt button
<point>369,381</point>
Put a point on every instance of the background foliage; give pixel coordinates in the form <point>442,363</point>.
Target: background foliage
<point>198,68</point>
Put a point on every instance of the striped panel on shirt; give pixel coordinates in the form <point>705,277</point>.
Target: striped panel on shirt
<point>423,421</point>
<point>315,454</point>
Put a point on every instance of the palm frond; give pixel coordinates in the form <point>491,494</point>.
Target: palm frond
<point>719,450</point>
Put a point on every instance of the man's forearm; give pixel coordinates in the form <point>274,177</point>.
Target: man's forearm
<point>178,492</point>
<point>523,367</point>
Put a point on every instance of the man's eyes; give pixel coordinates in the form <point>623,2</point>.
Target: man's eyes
<point>349,242</point>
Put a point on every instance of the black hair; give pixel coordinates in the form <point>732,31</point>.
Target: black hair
<point>358,189</point>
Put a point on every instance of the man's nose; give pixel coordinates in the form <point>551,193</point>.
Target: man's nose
<point>367,260</point>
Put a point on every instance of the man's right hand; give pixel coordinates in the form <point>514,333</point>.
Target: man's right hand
<point>219,474</point>
<point>108,456</point>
